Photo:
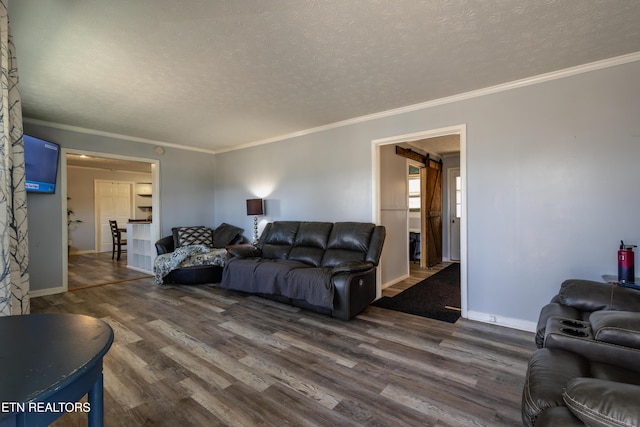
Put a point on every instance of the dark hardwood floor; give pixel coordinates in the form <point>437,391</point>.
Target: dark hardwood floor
<point>198,355</point>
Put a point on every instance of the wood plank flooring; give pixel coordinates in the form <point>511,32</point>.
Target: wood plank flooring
<point>198,355</point>
<point>96,269</point>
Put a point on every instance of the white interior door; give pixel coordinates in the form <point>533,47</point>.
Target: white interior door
<point>455,211</point>
<point>113,201</point>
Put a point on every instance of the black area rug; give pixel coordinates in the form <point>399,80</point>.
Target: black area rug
<point>429,297</point>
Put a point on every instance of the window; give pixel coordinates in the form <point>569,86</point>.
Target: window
<point>414,189</point>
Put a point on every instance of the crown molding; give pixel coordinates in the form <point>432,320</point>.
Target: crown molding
<point>114,135</point>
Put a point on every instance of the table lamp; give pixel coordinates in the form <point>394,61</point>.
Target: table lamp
<point>255,207</point>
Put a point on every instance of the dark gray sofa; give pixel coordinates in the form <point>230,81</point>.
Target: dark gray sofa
<point>326,267</point>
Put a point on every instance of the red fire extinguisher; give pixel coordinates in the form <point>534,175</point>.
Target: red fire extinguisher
<point>626,263</point>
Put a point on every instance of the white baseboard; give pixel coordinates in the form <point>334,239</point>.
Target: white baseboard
<point>48,291</point>
<point>86,251</point>
<point>394,281</point>
<point>139,269</point>
<point>509,322</point>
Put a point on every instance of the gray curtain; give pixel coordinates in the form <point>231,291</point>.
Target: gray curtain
<point>14,250</point>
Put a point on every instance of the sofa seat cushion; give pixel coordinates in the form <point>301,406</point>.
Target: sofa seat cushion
<point>558,416</point>
<point>287,278</point>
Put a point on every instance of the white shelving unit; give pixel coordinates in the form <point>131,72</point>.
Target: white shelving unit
<point>140,246</point>
<point>144,200</point>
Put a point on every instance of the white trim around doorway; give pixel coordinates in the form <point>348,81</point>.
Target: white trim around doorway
<point>376,214</point>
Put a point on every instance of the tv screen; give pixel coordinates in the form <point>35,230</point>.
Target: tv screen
<point>40,164</point>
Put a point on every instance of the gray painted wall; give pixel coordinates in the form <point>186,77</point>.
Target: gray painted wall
<point>552,177</point>
<point>186,196</point>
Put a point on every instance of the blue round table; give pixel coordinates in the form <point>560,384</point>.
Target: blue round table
<point>48,362</point>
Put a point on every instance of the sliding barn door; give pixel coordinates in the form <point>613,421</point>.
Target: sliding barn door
<point>431,227</point>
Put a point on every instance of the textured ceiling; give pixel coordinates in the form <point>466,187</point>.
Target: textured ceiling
<point>217,74</point>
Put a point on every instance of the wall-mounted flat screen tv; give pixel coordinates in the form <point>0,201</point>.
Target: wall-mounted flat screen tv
<point>40,164</point>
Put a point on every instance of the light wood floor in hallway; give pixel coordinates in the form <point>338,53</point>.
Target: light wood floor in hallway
<point>96,269</point>
<point>202,356</point>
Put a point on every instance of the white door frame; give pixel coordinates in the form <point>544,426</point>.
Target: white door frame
<point>376,214</point>
<point>155,202</point>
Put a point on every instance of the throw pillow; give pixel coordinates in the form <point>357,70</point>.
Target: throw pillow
<point>194,236</point>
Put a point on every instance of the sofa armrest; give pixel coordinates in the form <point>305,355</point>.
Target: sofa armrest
<point>165,245</point>
<point>353,292</point>
<point>244,251</point>
<point>352,267</point>
<point>603,403</point>
<point>375,245</point>
<point>553,309</point>
<point>580,338</point>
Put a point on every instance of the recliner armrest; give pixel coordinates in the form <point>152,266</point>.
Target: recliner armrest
<point>616,327</point>
<point>352,267</point>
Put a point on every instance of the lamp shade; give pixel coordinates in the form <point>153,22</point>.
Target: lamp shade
<point>255,207</point>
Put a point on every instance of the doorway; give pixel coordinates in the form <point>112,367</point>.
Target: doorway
<point>389,272</point>
<point>105,167</point>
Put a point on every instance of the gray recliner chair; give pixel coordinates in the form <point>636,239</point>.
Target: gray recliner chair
<point>587,369</point>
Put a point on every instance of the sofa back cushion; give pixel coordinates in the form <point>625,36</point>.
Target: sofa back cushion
<point>226,234</point>
<point>348,241</point>
<point>279,239</point>
<point>311,242</point>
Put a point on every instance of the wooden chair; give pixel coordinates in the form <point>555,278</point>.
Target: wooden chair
<point>116,237</point>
